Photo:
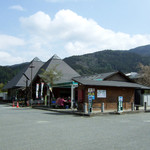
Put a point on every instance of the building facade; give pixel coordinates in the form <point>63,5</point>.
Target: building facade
<point>106,88</point>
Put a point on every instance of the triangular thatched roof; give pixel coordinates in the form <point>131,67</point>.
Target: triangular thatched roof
<point>20,80</point>
<point>67,72</point>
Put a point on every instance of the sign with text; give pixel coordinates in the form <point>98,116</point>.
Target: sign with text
<point>101,93</point>
<point>120,104</point>
<point>90,100</point>
<point>91,93</point>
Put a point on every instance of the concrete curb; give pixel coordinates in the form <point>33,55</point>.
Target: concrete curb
<point>89,115</point>
<point>73,112</point>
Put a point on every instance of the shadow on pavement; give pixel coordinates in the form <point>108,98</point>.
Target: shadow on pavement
<point>57,113</point>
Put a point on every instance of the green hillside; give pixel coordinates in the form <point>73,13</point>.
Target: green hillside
<point>106,61</point>
<point>8,72</point>
<point>142,50</point>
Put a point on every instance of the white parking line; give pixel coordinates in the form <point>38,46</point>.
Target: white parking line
<point>148,121</point>
<point>42,121</point>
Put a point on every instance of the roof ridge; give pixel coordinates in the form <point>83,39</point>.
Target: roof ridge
<point>35,59</point>
<point>55,57</point>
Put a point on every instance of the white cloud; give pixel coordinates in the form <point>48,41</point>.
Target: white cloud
<point>7,41</point>
<point>8,59</point>
<point>65,34</point>
<point>17,7</point>
<point>37,22</point>
<point>9,49</point>
<point>74,34</point>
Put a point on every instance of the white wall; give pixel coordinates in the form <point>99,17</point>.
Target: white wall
<point>147,99</point>
<point>3,95</point>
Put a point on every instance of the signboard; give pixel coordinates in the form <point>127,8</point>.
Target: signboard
<point>90,100</point>
<point>101,93</point>
<point>91,93</point>
<point>120,98</point>
<point>120,104</point>
<point>91,97</point>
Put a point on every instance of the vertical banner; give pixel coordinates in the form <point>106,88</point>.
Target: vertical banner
<point>37,90</point>
<point>42,85</point>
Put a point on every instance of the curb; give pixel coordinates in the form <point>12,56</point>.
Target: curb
<point>92,114</point>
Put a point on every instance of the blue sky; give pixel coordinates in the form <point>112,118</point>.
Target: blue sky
<point>42,28</point>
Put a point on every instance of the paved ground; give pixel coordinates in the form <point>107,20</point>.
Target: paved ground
<point>31,129</point>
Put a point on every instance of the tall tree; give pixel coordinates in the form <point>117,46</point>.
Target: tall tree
<point>144,72</point>
<point>50,76</point>
<point>1,87</point>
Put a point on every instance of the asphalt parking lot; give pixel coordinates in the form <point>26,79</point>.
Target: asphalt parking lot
<point>32,129</point>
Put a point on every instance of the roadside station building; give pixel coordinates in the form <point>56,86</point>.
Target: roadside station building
<point>17,85</point>
<point>106,88</point>
<point>64,87</point>
<point>29,80</point>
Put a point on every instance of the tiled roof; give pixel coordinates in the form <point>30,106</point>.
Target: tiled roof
<point>92,81</point>
<point>99,77</point>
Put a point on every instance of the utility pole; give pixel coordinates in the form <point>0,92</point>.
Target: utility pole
<point>26,88</point>
<point>31,81</point>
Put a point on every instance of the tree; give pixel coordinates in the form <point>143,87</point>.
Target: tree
<point>1,87</point>
<point>144,72</point>
<point>50,76</point>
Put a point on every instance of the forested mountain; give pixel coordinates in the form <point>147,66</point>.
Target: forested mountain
<point>8,72</point>
<point>142,50</point>
<point>98,62</point>
<point>106,61</point>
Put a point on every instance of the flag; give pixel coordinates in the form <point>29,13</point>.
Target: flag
<point>42,85</point>
<point>37,90</point>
